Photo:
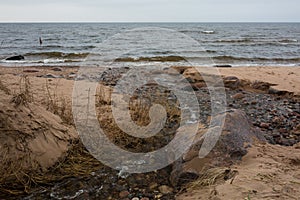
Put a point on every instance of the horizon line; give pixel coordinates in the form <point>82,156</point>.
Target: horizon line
<point>157,22</point>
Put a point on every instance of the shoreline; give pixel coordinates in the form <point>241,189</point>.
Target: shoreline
<point>284,78</point>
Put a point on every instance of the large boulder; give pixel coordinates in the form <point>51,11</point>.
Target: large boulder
<point>236,137</point>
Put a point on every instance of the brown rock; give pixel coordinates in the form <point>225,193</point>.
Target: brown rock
<point>196,86</point>
<point>264,125</point>
<point>153,186</point>
<point>259,85</point>
<point>278,92</point>
<point>238,96</point>
<point>253,102</point>
<point>164,189</point>
<point>296,130</point>
<point>236,136</point>
<point>282,130</point>
<point>277,120</point>
<point>193,75</point>
<point>123,194</point>
<point>231,82</point>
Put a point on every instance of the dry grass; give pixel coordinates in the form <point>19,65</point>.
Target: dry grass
<point>139,106</point>
<point>24,95</point>
<point>211,177</point>
<point>4,88</point>
<point>58,104</point>
<point>78,162</point>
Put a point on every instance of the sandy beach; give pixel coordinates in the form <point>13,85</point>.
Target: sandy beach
<point>267,171</point>
<point>284,78</point>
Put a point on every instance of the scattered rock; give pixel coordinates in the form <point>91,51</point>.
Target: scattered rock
<point>153,186</point>
<point>259,85</point>
<point>164,189</point>
<point>123,194</point>
<point>278,92</point>
<point>264,125</point>
<point>19,57</point>
<point>254,102</point>
<point>296,130</point>
<point>197,86</point>
<point>192,75</point>
<point>238,96</point>
<point>111,76</point>
<point>231,82</point>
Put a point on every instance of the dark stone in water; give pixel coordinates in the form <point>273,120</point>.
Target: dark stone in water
<point>19,57</point>
<point>223,66</point>
<point>30,70</point>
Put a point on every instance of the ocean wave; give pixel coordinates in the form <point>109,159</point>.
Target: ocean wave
<point>151,59</point>
<point>55,54</point>
<point>233,58</point>
<point>244,40</point>
<point>254,41</point>
<point>208,32</point>
<point>44,61</point>
<point>198,31</point>
<point>288,41</point>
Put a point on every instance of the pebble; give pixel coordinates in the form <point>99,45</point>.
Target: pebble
<point>153,186</point>
<point>277,120</point>
<point>164,189</point>
<point>282,130</point>
<point>123,194</point>
<point>135,198</point>
<point>264,125</point>
<point>253,102</point>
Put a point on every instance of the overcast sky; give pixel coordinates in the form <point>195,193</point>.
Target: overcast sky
<point>150,10</point>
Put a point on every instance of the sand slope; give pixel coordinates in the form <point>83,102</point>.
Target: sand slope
<point>266,172</point>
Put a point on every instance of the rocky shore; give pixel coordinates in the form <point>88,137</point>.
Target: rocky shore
<point>256,157</point>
